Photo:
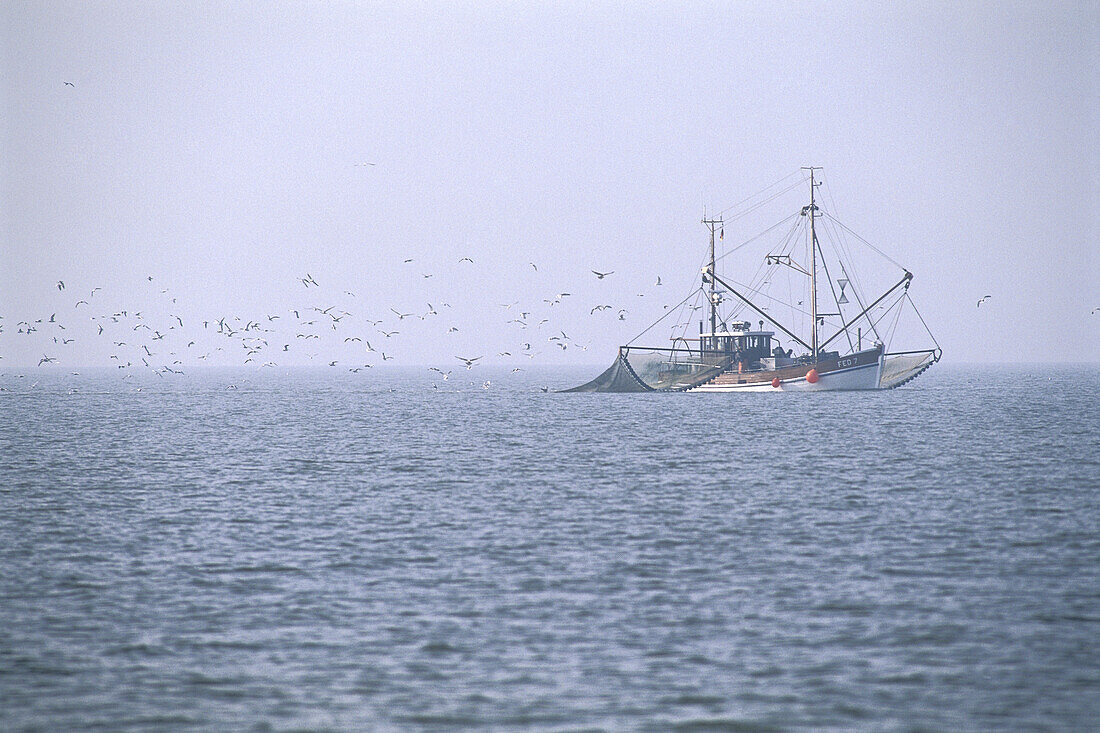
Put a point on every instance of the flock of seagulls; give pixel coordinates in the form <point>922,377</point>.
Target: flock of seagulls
<point>160,338</point>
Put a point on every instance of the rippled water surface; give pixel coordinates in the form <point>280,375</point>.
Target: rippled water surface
<point>338,551</point>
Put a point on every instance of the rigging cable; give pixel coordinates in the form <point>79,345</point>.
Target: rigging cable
<point>876,249</point>
<point>668,313</point>
<point>926,328</point>
<point>781,180</point>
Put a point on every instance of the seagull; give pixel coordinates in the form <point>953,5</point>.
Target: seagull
<point>384,357</point>
<point>534,266</point>
<point>79,303</point>
<point>387,334</point>
<point>46,360</point>
<point>358,165</point>
<point>469,362</point>
<point>983,299</point>
<point>658,283</point>
<point>409,260</point>
<point>70,84</point>
<point>467,259</point>
<point>400,316</point>
<point>60,285</point>
<point>602,275</point>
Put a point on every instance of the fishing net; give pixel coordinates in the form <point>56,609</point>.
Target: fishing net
<point>897,369</point>
<point>655,370</point>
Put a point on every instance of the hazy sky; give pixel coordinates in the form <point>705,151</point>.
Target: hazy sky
<point>214,147</point>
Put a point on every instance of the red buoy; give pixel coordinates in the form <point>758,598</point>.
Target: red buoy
<point>811,376</point>
<point>775,382</point>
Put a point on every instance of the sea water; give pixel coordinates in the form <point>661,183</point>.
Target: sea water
<point>321,550</point>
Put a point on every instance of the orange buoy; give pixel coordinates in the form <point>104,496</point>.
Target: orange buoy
<point>775,382</point>
<point>811,376</point>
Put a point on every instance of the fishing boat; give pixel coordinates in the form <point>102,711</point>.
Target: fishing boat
<point>818,325</point>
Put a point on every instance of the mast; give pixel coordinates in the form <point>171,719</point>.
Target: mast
<point>812,208</point>
<point>711,224</point>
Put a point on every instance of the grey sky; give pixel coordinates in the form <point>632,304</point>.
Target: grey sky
<point>214,147</point>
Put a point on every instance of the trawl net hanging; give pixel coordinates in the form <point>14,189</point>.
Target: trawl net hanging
<point>654,370</point>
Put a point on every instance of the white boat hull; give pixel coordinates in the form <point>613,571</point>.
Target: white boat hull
<point>862,377</point>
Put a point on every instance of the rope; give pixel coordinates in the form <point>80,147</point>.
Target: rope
<point>926,328</point>
<point>734,206</point>
<point>876,249</point>
<point>667,313</point>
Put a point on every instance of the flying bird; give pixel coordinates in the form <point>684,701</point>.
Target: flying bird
<point>60,285</point>
<point>602,275</point>
<point>466,259</point>
<point>70,84</point>
<point>983,299</point>
<point>469,362</point>
<point>658,281</point>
